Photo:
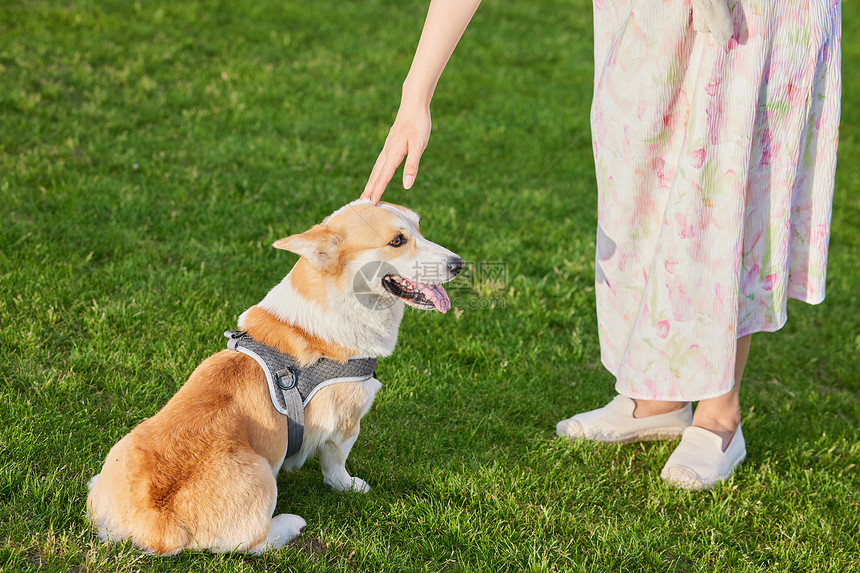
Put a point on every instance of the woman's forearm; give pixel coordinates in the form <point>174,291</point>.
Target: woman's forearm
<point>408,137</point>
<point>446,21</point>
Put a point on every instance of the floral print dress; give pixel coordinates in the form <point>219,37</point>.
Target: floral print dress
<point>715,169</point>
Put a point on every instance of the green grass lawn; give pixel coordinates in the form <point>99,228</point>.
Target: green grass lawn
<point>150,152</point>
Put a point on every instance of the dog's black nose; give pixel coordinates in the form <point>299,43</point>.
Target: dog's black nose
<point>454,266</point>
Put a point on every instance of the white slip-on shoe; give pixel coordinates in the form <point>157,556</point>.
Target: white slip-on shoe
<point>699,461</point>
<point>615,423</point>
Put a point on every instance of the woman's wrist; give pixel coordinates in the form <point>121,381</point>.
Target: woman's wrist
<point>416,93</point>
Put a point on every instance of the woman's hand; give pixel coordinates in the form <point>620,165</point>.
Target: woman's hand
<point>407,138</point>
<point>713,17</point>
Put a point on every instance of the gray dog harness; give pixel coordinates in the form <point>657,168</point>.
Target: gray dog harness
<point>291,387</point>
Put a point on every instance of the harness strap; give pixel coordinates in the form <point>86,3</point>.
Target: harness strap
<point>292,387</point>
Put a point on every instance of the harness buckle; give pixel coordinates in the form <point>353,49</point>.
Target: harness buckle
<point>291,375</point>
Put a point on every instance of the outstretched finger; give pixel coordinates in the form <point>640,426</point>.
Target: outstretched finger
<point>383,171</point>
<point>371,185</point>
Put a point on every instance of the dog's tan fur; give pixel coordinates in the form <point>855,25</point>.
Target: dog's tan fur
<point>201,472</point>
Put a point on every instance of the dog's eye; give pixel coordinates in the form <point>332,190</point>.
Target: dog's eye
<point>398,241</point>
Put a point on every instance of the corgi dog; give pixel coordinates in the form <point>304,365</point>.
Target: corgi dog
<point>200,474</point>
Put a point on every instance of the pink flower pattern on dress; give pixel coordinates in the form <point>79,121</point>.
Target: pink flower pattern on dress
<point>715,174</point>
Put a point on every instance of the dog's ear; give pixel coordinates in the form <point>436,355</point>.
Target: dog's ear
<point>319,245</point>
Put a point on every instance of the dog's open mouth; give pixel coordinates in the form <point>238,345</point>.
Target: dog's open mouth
<point>420,295</point>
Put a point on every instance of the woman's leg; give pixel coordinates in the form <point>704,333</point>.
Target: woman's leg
<point>645,408</point>
<point>698,462</point>
<point>721,415</point>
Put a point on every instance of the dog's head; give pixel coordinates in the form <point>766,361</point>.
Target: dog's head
<point>377,254</point>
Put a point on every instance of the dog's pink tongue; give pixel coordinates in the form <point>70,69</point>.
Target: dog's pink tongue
<point>437,294</point>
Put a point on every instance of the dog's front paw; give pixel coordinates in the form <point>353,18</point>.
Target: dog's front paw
<point>358,485</point>
<point>350,484</point>
<point>283,529</point>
